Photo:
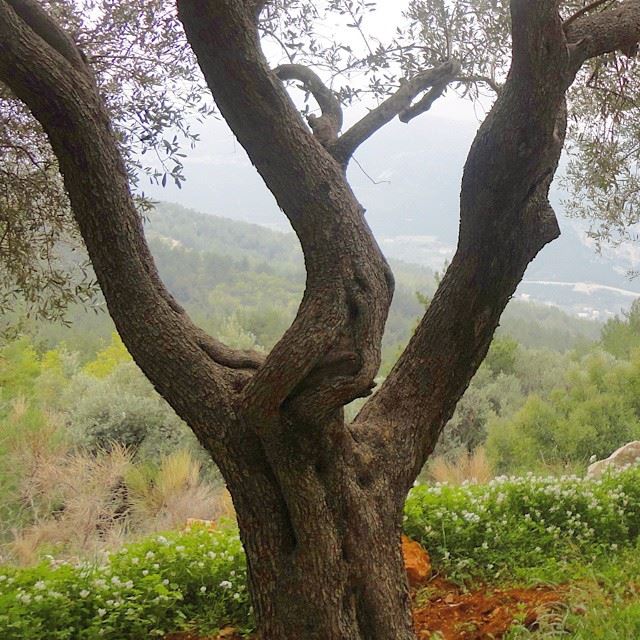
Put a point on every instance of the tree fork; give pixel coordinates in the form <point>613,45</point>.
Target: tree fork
<point>349,287</point>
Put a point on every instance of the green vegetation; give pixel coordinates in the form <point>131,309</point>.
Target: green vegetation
<point>165,583</point>
<point>492,531</point>
<point>89,454</point>
<point>518,529</point>
<point>590,412</point>
<point>243,283</point>
<point>92,460</point>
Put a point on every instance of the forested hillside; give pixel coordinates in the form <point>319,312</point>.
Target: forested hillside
<point>243,283</point>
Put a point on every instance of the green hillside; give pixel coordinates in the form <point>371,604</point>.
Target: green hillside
<point>243,283</point>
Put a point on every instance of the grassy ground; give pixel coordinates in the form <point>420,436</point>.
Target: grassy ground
<point>603,599</point>
<point>579,537</point>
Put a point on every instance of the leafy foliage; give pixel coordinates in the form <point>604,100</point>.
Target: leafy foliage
<point>152,87</point>
<point>162,584</point>
<point>196,579</point>
<point>621,335</point>
<point>592,413</point>
<point>487,530</point>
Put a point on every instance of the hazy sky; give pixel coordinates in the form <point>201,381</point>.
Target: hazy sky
<point>221,180</point>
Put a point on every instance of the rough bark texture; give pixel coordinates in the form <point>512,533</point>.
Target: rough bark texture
<point>319,501</point>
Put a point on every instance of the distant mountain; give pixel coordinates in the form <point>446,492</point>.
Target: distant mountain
<point>243,283</point>
<point>176,229</point>
<point>408,179</point>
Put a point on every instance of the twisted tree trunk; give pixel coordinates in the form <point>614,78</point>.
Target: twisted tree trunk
<point>319,501</point>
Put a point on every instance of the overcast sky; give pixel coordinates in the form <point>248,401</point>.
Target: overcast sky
<point>221,180</point>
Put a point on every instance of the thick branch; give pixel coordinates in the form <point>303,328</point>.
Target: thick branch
<point>331,352</point>
<point>616,29</point>
<point>37,18</point>
<point>328,125</point>
<point>505,219</point>
<point>186,365</point>
<point>399,104</point>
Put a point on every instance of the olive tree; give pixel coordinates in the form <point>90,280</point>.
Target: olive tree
<point>318,499</point>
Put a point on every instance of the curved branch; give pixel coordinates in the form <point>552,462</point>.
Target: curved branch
<point>328,125</point>
<point>188,367</point>
<point>399,104</point>
<point>616,29</point>
<point>505,219</point>
<point>39,21</point>
<point>331,352</point>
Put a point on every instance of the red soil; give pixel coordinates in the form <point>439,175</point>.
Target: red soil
<point>442,610</point>
<point>483,614</point>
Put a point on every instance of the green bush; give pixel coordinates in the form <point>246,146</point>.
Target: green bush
<point>592,414</point>
<point>122,407</point>
<point>165,583</point>
<point>487,530</point>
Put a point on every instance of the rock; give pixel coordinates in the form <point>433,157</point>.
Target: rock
<point>416,562</point>
<point>622,457</point>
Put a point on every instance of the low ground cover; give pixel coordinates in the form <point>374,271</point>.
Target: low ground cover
<point>503,540</point>
<point>511,524</point>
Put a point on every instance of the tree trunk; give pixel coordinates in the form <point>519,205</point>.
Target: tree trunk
<point>327,588</point>
<point>325,562</point>
<point>319,502</point>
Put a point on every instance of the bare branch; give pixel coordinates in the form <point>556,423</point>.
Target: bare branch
<point>399,104</point>
<point>37,18</point>
<point>424,104</point>
<point>616,29</point>
<point>583,11</point>
<point>490,82</point>
<point>328,125</point>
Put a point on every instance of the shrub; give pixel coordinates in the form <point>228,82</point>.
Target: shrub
<point>595,413</point>
<point>165,583</point>
<point>197,579</point>
<point>486,530</point>
<point>122,407</point>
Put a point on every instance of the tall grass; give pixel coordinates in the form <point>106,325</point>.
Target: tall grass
<point>471,467</point>
<point>74,503</point>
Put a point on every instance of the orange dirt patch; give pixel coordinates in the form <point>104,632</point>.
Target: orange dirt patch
<point>417,563</point>
<point>443,611</point>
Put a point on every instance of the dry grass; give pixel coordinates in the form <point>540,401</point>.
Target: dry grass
<point>76,504</point>
<point>467,467</point>
<point>167,497</point>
